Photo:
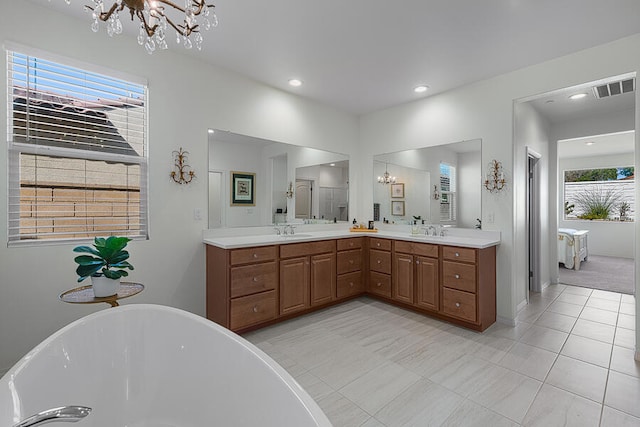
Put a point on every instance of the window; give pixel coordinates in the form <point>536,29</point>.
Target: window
<point>77,150</point>
<point>447,192</point>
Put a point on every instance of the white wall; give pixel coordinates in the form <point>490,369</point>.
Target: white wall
<point>607,238</point>
<point>171,264</point>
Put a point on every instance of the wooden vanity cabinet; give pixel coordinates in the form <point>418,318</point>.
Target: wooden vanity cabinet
<point>469,284</point>
<point>415,274</point>
<point>379,282</point>
<point>241,286</point>
<point>307,275</point>
<point>349,267</point>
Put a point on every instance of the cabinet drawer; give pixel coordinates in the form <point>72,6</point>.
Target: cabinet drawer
<point>257,254</point>
<point>382,244</point>
<point>350,243</point>
<point>291,250</point>
<point>423,249</point>
<point>459,304</point>
<point>350,284</point>
<point>459,254</point>
<point>459,276</point>
<point>380,261</point>
<point>380,284</point>
<point>349,261</point>
<point>254,278</point>
<point>252,309</point>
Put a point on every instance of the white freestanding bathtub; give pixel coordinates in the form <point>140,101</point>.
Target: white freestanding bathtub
<point>148,365</point>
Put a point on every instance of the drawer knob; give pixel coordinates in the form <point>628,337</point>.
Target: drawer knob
<point>351,284</point>
<point>457,304</point>
<point>457,276</point>
<point>255,255</point>
<point>457,254</point>
<point>417,261</point>
<point>255,308</point>
<point>379,262</point>
<point>350,261</point>
<point>255,279</point>
<point>379,284</point>
<point>378,244</point>
<point>350,243</point>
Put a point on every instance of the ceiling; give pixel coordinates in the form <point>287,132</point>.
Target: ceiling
<point>599,145</point>
<point>365,55</point>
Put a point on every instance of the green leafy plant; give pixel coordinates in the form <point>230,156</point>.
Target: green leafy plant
<point>108,258</point>
<point>624,209</point>
<point>568,208</point>
<point>597,203</point>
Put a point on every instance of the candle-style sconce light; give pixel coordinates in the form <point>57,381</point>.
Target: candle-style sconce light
<point>436,193</point>
<point>289,191</point>
<point>182,173</point>
<point>495,180</point>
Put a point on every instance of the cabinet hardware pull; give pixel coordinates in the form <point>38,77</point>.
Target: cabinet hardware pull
<point>457,276</point>
<point>379,261</point>
<point>351,284</point>
<point>350,243</point>
<point>255,279</point>
<point>417,261</point>
<point>457,304</point>
<point>457,254</point>
<point>350,261</point>
<point>379,284</point>
<point>255,308</point>
<point>378,244</point>
<point>255,255</point>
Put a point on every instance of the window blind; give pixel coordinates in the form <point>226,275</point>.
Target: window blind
<point>448,207</point>
<point>77,149</point>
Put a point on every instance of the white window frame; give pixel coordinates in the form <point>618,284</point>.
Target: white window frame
<point>450,195</point>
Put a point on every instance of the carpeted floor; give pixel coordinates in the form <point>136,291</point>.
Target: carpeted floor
<point>602,272</point>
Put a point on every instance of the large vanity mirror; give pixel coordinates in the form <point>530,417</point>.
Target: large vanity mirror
<point>438,185</point>
<point>259,182</point>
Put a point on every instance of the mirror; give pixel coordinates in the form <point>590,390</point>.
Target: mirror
<point>440,185</point>
<point>291,183</point>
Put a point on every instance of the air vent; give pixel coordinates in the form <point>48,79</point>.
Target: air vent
<point>615,88</point>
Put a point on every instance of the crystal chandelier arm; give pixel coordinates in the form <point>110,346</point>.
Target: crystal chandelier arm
<point>104,16</point>
<point>149,30</point>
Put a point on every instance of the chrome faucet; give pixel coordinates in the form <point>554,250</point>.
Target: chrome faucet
<point>288,229</point>
<point>430,230</point>
<point>69,414</point>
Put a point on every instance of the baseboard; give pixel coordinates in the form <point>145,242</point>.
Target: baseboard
<point>545,285</point>
<point>506,320</point>
<point>3,371</point>
<point>637,356</point>
<point>521,306</point>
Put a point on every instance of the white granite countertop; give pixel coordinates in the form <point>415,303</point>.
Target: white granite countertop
<point>263,236</point>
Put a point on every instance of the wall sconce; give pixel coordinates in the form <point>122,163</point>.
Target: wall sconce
<point>182,173</point>
<point>289,192</point>
<point>436,193</point>
<point>494,180</point>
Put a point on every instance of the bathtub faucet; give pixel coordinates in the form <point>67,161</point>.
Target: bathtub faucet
<point>69,414</point>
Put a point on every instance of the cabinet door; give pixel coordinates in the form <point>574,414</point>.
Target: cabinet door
<point>427,283</point>
<point>294,285</point>
<point>402,289</point>
<point>323,278</point>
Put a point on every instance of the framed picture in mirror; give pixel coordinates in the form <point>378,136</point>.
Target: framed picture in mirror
<point>243,185</point>
<point>397,190</point>
<point>397,207</point>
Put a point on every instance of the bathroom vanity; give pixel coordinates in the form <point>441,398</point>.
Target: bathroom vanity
<point>254,281</point>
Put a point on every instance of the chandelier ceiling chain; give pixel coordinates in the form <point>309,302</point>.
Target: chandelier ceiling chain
<point>154,20</point>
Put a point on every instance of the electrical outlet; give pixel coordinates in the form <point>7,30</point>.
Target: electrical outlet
<point>491,218</point>
<point>197,214</point>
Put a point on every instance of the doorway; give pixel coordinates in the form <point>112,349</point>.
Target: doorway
<point>533,221</point>
<point>304,198</point>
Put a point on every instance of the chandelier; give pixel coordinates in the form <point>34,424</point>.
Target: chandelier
<point>155,21</point>
<point>386,178</point>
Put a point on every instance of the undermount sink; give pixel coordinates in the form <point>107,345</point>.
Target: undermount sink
<point>294,236</point>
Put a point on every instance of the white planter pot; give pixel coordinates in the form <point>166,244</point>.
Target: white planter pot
<point>104,287</point>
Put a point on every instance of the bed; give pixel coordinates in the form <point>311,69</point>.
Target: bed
<point>572,247</point>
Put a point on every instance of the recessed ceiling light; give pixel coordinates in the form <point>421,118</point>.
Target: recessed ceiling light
<point>295,82</point>
<point>332,164</point>
<point>590,143</point>
<point>420,89</point>
<point>549,101</point>
<point>211,131</point>
<point>577,96</point>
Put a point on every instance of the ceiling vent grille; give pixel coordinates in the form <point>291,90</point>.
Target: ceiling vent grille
<point>615,88</point>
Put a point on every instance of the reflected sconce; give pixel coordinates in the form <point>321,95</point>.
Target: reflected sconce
<point>495,181</point>
<point>182,173</point>
<point>436,193</point>
<point>386,178</point>
<point>289,192</point>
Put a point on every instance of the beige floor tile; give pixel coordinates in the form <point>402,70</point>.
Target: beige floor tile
<point>372,422</point>
<point>341,411</point>
<point>594,330</point>
<point>491,347</point>
<point>424,403</point>
<point>377,388</point>
<point>556,321</point>
<point>600,316</point>
<point>613,296</point>
<point>577,290</point>
<point>345,366</point>
<point>603,304</point>
<point>625,338</point>
<point>578,377</point>
<point>630,299</point>
<point>470,414</point>
<point>531,361</point>
<point>628,308</point>
<point>623,393</point>
<point>555,407</point>
<point>545,338</point>
<point>508,331</point>
<point>614,418</point>
<point>565,308</point>
<point>626,321</point>
<point>587,350</point>
<point>622,360</point>
<point>316,388</point>
<point>572,298</point>
<point>464,375</point>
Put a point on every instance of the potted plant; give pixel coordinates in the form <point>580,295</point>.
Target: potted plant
<point>106,264</point>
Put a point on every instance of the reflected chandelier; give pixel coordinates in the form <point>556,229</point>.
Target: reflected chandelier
<point>154,20</point>
<point>386,178</point>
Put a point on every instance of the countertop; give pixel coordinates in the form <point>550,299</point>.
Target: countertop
<point>454,237</point>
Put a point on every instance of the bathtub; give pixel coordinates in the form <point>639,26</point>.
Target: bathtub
<point>146,365</point>
<point>572,247</point>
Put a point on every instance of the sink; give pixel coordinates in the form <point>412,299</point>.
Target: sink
<point>295,236</point>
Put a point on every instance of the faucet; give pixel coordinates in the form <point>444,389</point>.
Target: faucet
<point>69,414</point>
<point>278,230</point>
<point>289,229</point>
<point>428,229</point>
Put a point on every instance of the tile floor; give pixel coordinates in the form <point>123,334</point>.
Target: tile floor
<point>567,362</point>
